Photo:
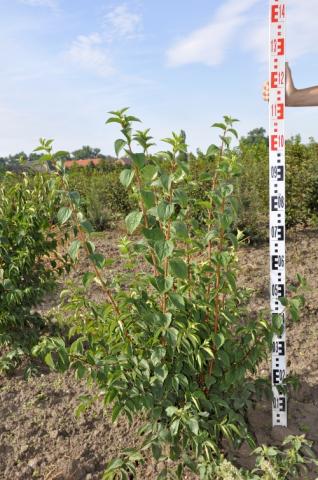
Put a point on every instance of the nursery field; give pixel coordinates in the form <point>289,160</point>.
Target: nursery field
<point>135,332</point>
<point>40,436</point>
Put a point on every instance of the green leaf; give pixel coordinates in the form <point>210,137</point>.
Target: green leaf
<point>165,181</point>
<point>178,268</point>
<point>219,125</point>
<point>63,215</point>
<point>148,198</point>
<point>138,159</point>
<point>113,120</point>
<point>174,427</point>
<point>177,300</point>
<point>163,249</point>
<point>165,210</point>
<point>77,346</point>
<point>272,451</point>
<point>161,372</point>
<point>88,277</point>
<point>126,177</point>
<point>161,283</point>
<point>98,259</point>
<point>116,411</point>
<point>230,276</point>
<point>212,150</point>
<point>193,426</point>
<point>153,234</point>
<point>119,145</point>
<point>219,340</point>
<point>114,465</point>
<point>156,450</point>
<point>229,120</point>
<point>149,172</point>
<point>157,355</point>
<point>172,336</point>
<point>118,113</point>
<point>179,229</point>
<point>49,360</point>
<point>75,198</point>
<point>227,190</point>
<point>234,132</point>
<point>80,371</point>
<point>203,204</point>
<point>180,197</point>
<point>87,226</point>
<point>133,220</point>
<point>90,246</point>
<point>131,118</point>
<point>74,249</point>
<point>170,411</point>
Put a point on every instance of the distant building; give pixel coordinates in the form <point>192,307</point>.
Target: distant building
<point>85,162</point>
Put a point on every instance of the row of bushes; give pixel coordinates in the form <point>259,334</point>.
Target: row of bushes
<point>30,262</point>
<point>301,186</point>
<point>105,199</point>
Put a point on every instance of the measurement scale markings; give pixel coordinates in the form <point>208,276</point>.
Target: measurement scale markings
<point>277,50</point>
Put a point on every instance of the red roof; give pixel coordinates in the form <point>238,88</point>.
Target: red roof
<point>83,162</point>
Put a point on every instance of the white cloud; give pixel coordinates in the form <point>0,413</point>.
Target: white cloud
<point>208,44</point>
<point>40,3</point>
<point>89,52</point>
<point>301,32</point>
<point>122,22</point>
<point>235,23</point>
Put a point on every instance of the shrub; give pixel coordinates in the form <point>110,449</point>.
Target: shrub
<point>173,342</point>
<point>301,186</point>
<point>28,264</point>
<point>272,463</point>
<point>104,199</point>
<point>252,190</point>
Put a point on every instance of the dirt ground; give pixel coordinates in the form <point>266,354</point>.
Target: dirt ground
<point>40,437</point>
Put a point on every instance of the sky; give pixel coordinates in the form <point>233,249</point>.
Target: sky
<point>178,64</point>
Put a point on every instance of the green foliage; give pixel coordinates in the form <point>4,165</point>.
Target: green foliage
<point>301,186</point>
<point>174,342</point>
<point>104,199</point>
<point>275,464</point>
<point>29,262</point>
<point>291,461</point>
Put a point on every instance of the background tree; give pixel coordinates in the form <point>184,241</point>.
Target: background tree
<point>255,136</point>
<point>86,152</point>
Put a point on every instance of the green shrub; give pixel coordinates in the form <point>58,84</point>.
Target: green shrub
<point>173,342</point>
<point>301,186</point>
<point>104,199</point>
<point>252,190</point>
<point>28,267</point>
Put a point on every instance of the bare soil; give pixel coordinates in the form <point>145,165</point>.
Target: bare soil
<point>40,437</point>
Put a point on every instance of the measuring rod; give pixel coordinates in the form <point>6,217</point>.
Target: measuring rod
<point>277,172</point>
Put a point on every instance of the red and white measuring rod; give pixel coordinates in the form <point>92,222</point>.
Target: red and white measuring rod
<point>277,200</point>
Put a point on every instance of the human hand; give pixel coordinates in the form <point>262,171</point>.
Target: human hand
<point>266,91</point>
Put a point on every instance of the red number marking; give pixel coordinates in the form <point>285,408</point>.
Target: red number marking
<point>278,13</point>
<point>278,111</point>
<point>277,142</point>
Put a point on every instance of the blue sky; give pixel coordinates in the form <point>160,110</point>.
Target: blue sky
<point>177,64</point>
